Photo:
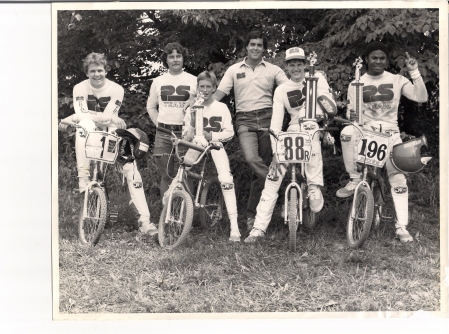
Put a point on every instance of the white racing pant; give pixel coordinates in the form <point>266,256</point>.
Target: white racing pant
<point>130,172</point>
<point>221,162</point>
<point>314,175</point>
<point>350,138</point>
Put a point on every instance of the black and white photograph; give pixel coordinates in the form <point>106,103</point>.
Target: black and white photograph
<point>248,160</point>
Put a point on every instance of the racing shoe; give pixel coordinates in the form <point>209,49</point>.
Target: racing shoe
<point>316,199</point>
<point>403,235</point>
<point>348,190</point>
<point>254,235</point>
<point>235,236</point>
<point>147,228</point>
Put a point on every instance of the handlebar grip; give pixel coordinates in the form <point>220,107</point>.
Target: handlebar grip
<point>341,120</point>
<point>164,130</point>
<point>61,121</point>
<point>190,145</point>
<point>214,147</point>
<point>331,129</point>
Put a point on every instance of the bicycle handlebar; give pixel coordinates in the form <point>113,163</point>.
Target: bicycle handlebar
<point>341,120</point>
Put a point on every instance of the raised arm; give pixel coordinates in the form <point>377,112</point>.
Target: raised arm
<point>415,91</point>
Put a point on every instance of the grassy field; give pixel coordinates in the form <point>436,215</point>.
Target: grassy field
<point>210,275</point>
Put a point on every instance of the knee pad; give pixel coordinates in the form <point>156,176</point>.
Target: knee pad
<point>346,134</point>
<point>398,183</point>
<point>227,185</point>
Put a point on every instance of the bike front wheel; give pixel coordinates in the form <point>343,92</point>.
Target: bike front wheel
<point>211,201</point>
<point>292,212</point>
<point>173,231</point>
<point>359,224</point>
<point>91,226</point>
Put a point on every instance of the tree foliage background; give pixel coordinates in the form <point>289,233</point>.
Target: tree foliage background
<point>133,41</point>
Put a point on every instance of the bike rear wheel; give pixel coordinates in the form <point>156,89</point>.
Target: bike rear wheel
<point>175,231</point>
<point>292,212</point>
<point>211,201</point>
<point>91,226</point>
<point>359,225</point>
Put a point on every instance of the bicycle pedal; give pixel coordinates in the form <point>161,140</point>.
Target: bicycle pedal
<point>113,216</point>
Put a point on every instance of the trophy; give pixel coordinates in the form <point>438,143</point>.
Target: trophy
<point>196,114</point>
<point>358,89</point>
<point>311,84</point>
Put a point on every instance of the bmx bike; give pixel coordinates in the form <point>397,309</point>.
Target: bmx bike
<point>101,148</point>
<point>179,201</point>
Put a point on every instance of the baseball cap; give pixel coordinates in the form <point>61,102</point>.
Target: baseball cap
<point>294,53</point>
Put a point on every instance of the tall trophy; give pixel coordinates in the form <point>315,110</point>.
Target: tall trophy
<point>358,89</point>
<point>311,84</point>
<point>196,114</point>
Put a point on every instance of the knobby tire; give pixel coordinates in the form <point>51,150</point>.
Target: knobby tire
<point>292,211</point>
<point>211,201</point>
<point>91,227</point>
<point>359,226</point>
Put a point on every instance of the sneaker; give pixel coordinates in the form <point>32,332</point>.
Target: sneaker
<point>403,235</point>
<point>254,235</point>
<point>348,190</point>
<point>147,228</point>
<point>316,199</point>
<point>235,236</point>
<point>83,183</point>
<point>250,224</point>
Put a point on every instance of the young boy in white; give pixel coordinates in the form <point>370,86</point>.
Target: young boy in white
<point>292,96</point>
<point>98,99</point>
<point>218,128</point>
<point>168,95</point>
<point>382,91</point>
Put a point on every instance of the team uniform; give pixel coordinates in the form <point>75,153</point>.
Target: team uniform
<point>217,120</point>
<point>253,91</point>
<point>381,96</point>
<point>292,96</point>
<point>106,100</point>
<point>168,95</point>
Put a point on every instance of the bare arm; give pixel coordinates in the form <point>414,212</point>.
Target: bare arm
<point>218,95</point>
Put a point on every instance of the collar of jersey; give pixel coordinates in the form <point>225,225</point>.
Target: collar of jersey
<point>262,62</point>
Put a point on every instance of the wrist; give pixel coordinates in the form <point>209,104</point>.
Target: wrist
<point>414,74</point>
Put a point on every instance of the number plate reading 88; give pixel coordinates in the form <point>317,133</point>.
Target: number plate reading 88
<point>101,146</point>
<point>294,147</point>
<point>373,149</point>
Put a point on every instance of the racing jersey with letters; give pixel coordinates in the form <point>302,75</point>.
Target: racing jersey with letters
<point>381,95</point>
<point>106,100</point>
<point>216,119</point>
<point>292,96</point>
<point>170,92</point>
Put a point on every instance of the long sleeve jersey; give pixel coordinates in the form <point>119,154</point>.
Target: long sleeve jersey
<point>381,95</point>
<point>216,119</point>
<point>170,93</point>
<point>292,96</point>
<point>106,100</point>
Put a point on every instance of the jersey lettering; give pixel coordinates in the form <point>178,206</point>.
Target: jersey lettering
<point>97,104</point>
<point>296,98</point>
<point>385,93</point>
<point>212,124</point>
<point>181,91</point>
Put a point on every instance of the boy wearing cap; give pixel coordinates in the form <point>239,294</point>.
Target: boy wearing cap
<point>168,95</point>
<point>253,81</point>
<point>292,96</point>
<point>382,91</point>
<point>98,100</point>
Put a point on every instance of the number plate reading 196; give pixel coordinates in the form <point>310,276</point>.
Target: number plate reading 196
<point>373,149</point>
<point>294,147</point>
<point>101,146</point>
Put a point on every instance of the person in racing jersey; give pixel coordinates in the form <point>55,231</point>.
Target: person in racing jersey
<point>382,91</point>
<point>291,96</point>
<point>98,99</point>
<point>218,129</point>
<point>168,95</point>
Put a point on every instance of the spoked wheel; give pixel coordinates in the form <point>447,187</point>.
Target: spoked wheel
<point>211,201</point>
<point>378,201</point>
<point>91,226</point>
<point>174,232</point>
<point>292,212</point>
<point>359,222</point>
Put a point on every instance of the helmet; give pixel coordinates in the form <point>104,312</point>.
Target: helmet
<point>406,157</point>
<point>134,145</point>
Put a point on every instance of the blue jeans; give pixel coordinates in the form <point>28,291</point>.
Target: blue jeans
<point>256,147</point>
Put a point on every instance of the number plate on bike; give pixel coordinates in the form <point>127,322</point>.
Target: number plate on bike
<point>373,149</point>
<point>101,146</point>
<point>294,147</point>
